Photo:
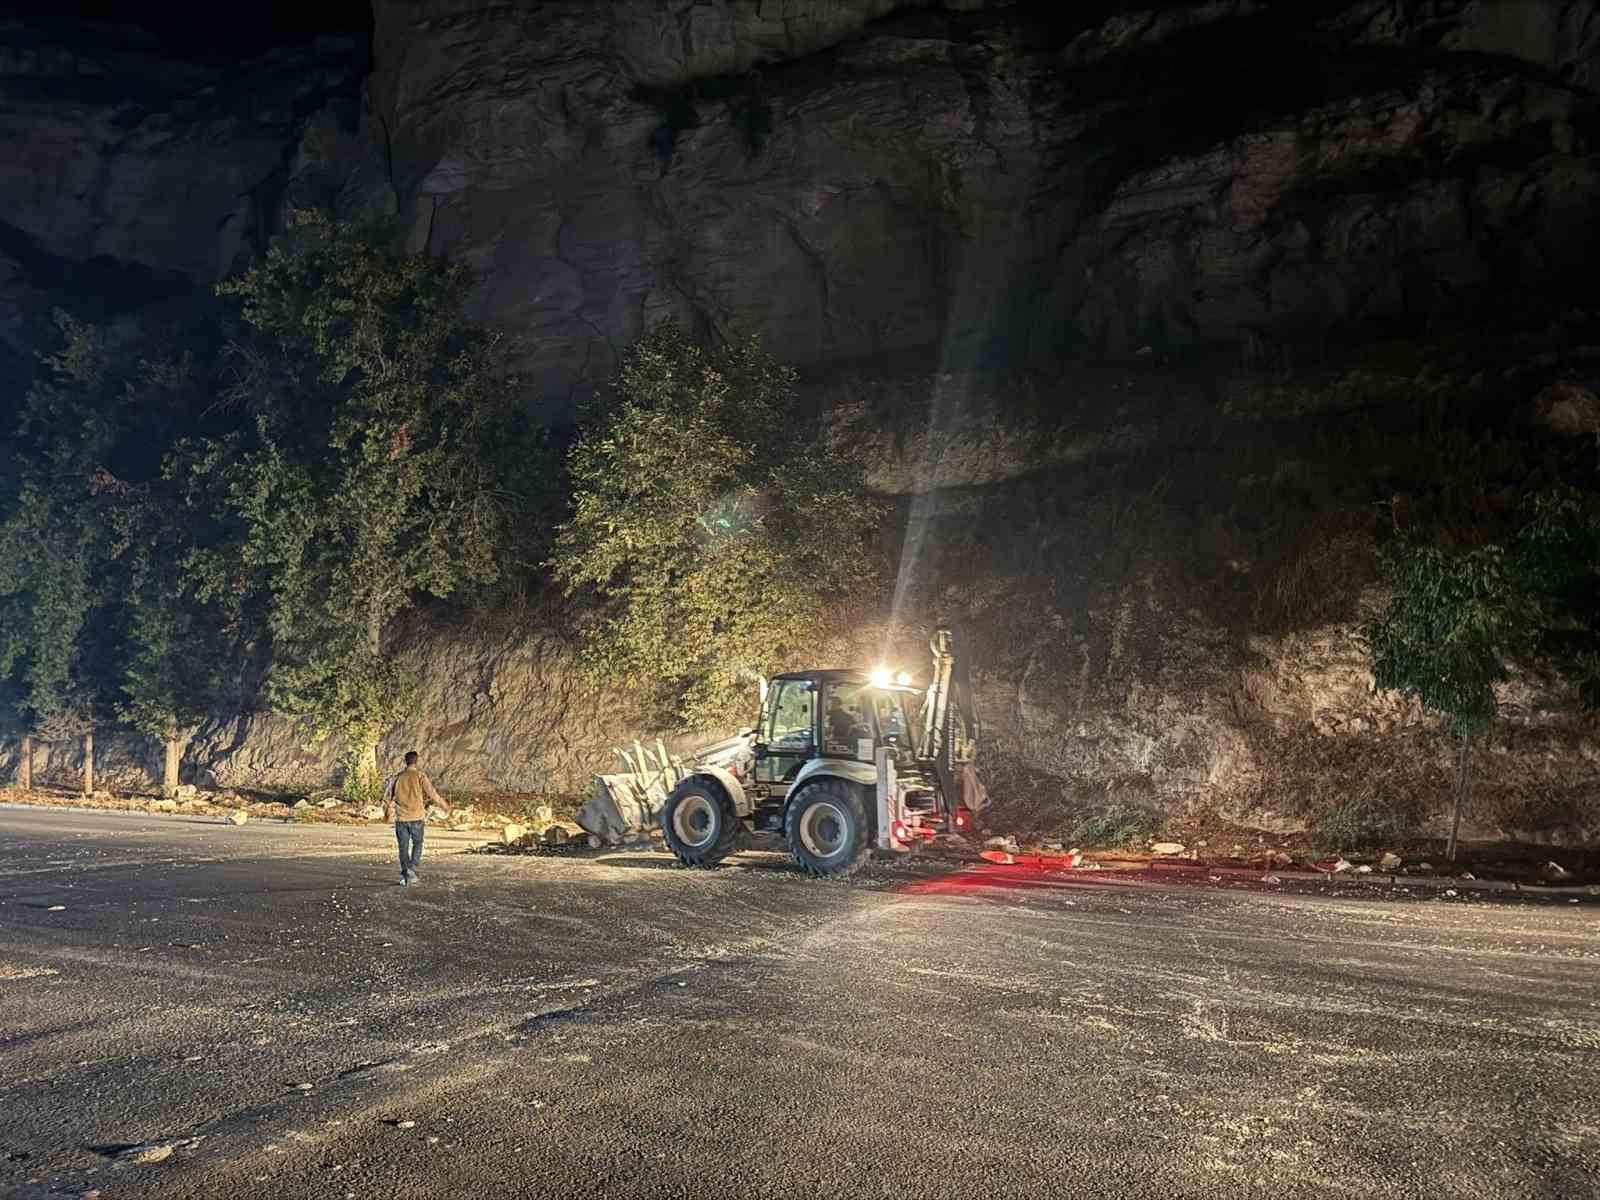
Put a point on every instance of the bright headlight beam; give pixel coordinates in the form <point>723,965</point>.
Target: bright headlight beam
<point>881,677</point>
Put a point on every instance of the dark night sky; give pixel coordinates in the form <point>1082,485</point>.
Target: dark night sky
<point>210,28</point>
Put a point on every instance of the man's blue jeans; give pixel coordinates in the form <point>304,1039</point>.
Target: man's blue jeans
<point>409,835</point>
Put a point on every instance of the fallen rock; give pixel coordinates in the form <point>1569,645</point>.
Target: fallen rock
<point>186,793</point>
<point>163,806</point>
<point>238,817</point>
<point>146,1153</point>
<point>374,812</point>
<point>1168,848</point>
<point>512,833</point>
<point>435,813</point>
<point>1554,872</point>
<point>329,803</point>
<point>1390,861</point>
<point>1270,879</point>
<point>1342,867</point>
<point>556,835</point>
<point>594,841</point>
<point>302,803</point>
<point>1363,869</point>
<point>152,1152</point>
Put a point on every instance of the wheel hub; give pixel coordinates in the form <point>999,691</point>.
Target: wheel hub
<point>694,821</point>
<point>823,830</point>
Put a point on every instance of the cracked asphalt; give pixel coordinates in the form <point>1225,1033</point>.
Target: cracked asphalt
<point>189,1009</point>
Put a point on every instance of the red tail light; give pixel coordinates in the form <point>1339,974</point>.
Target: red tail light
<point>899,832</point>
<point>963,819</point>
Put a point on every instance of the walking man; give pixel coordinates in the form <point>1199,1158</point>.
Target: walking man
<point>405,802</point>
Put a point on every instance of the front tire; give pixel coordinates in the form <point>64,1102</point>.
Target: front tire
<point>698,824</point>
<point>827,830</point>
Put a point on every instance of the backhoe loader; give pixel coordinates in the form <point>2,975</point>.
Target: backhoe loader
<point>841,762</point>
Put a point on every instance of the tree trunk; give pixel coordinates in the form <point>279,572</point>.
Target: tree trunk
<point>369,770</point>
<point>88,763</point>
<point>169,772</point>
<point>25,764</point>
<point>367,760</point>
<point>1463,782</point>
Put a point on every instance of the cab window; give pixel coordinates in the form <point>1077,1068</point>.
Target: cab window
<point>846,719</point>
<point>793,709</point>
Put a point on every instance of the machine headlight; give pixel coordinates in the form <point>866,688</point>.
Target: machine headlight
<point>881,677</point>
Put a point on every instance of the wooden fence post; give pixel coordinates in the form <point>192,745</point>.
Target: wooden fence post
<point>25,764</point>
<point>88,763</point>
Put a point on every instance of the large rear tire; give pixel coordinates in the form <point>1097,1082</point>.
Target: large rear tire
<point>698,823</point>
<point>827,830</point>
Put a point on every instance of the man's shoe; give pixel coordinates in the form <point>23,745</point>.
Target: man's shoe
<point>404,881</point>
<point>416,875</point>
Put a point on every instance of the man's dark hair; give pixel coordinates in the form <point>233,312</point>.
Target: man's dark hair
<point>411,758</point>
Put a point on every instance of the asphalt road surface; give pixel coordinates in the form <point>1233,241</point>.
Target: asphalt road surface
<point>190,1009</point>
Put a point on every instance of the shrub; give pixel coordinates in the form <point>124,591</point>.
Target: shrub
<point>1117,824</point>
<point>1357,825</point>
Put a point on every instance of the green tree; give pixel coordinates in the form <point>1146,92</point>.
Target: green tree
<point>362,472</point>
<point>711,527</point>
<point>1456,619</point>
<point>1443,639</point>
<point>92,539</point>
<point>181,657</point>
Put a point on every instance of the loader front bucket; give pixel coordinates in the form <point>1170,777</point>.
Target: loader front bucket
<point>619,811</point>
<point>627,805</point>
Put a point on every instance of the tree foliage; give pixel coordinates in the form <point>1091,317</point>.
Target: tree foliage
<point>710,525</point>
<point>59,577</point>
<point>1444,636</point>
<point>97,622</point>
<point>361,472</point>
<point>1456,618</point>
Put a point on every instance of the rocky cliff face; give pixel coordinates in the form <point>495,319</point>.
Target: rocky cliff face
<point>131,177</point>
<point>972,181</point>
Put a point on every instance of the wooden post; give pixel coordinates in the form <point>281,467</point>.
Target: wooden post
<point>25,764</point>
<point>88,763</point>
<point>169,774</point>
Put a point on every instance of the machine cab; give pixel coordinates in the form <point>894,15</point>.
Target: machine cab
<point>829,714</point>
